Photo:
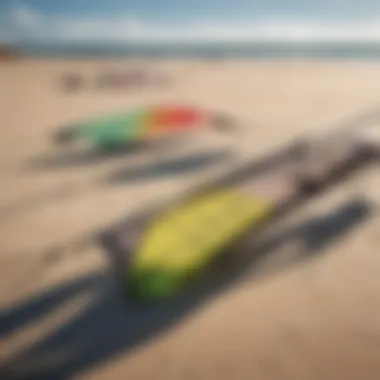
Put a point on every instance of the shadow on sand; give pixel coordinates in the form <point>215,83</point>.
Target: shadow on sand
<point>158,170</point>
<point>83,157</point>
<point>165,168</point>
<point>169,167</point>
<point>111,325</point>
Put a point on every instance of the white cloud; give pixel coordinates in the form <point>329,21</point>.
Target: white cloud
<point>34,24</point>
<point>131,30</point>
<point>92,29</point>
<point>25,18</point>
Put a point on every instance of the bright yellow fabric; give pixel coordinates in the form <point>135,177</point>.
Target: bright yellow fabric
<point>185,238</point>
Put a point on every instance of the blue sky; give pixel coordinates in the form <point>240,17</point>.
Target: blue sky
<point>185,20</point>
<point>175,10</point>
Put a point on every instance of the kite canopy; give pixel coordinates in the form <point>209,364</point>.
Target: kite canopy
<point>138,125</point>
<point>166,260</point>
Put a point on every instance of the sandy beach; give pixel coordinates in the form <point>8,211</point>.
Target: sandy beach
<point>308,308</point>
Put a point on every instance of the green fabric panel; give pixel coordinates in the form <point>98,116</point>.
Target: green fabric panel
<point>115,129</point>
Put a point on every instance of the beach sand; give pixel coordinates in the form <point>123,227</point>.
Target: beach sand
<point>286,318</point>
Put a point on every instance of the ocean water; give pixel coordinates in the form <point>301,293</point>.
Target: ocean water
<point>337,51</point>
